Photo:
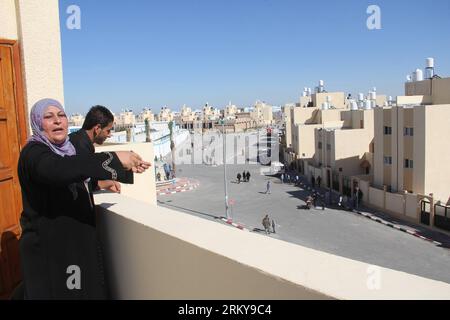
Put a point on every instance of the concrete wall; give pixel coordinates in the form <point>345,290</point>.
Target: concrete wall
<point>305,144</point>
<point>364,186</point>
<point>376,197</point>
<point>411,206</point>
<point>331,115</point>
<point>441,91</point>
<point>414,100</point>
<point>381,99</point>
<point>35,24</point>
<point>415,88</point>
<point>349,147</point>
<point>288,125</point>
<point>8,18</point>
<point>304,115</point>
<point>156,253</point>
<point>337,99</point>
<point>437,151</point>
<point>395,202</point>
<point>378,166</point>
<point>144,187</point>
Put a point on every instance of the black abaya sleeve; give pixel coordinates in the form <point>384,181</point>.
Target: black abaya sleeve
<point>44,166</point>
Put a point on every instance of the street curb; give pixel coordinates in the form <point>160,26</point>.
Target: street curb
<point>236,225</point>
<point>192,187</point>
<point>389,224</point>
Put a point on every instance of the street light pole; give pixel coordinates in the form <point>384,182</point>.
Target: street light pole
<point>225,169</point>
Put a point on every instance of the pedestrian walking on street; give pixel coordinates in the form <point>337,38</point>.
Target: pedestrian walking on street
<point>266,223</point>
<point>244,176</point>
<point>314,197</point>
<point>313,182</point>
<point>268,187</point>
<point>341,200</point>
<point>273,226</point>
<point>319,181</point>
<point>239,178</point>
<point>282,178</point>
<point>248,176</point>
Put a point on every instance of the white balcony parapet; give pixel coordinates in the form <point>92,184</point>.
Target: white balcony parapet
<point>156,253</point>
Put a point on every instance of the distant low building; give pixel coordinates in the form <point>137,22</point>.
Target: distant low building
<point>146,114</point>
<point>76,120</point>
<point>125,119</point>
<point>165,115</point>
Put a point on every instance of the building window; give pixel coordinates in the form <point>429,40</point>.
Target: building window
<point>328,146</point>
<point>320,145</point>
<point>387,160</point>
<point>409,164</point>
<point>408,132</point>
<point>387,130</point>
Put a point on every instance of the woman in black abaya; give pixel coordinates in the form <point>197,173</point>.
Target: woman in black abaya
<point>58,247</point>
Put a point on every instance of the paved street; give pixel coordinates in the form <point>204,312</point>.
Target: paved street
<point>338,232</point>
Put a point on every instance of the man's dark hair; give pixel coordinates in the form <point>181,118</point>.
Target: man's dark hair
<point>98,115</point>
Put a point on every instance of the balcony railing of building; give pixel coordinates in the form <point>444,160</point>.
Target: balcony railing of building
<point>156,253</point>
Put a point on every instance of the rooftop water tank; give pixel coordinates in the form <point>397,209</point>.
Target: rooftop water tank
<point>419,75</point>
<point>429,70</point>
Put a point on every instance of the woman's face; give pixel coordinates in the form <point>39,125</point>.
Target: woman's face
<point>55,125</point>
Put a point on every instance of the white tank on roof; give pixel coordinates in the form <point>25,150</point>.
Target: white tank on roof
<point>419,75</point>
<point>429,70</point>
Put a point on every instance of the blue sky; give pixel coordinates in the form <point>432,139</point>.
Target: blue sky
<point>142,53</point>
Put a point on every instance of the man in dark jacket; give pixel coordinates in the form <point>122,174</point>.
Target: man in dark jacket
<point>96,129</point>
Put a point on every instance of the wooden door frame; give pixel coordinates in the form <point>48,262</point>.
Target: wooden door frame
<point>21,114</point>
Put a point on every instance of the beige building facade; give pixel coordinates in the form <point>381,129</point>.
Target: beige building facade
<point>410,141</point>
<point>125,118</point>
<point>262,114</point>
<point>165,115</point>
<point>76,120</point>
<point>145,114</point>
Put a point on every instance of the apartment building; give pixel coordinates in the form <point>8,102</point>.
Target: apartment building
<point>125,118</point>
<point>146,114</point>
<point>411,148</point>
<point>76,120</point>
<point>319,110</point>
<point>165,115</point>
<point>230,111</point>
<point>345,151</point>
<point>262,113</point>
